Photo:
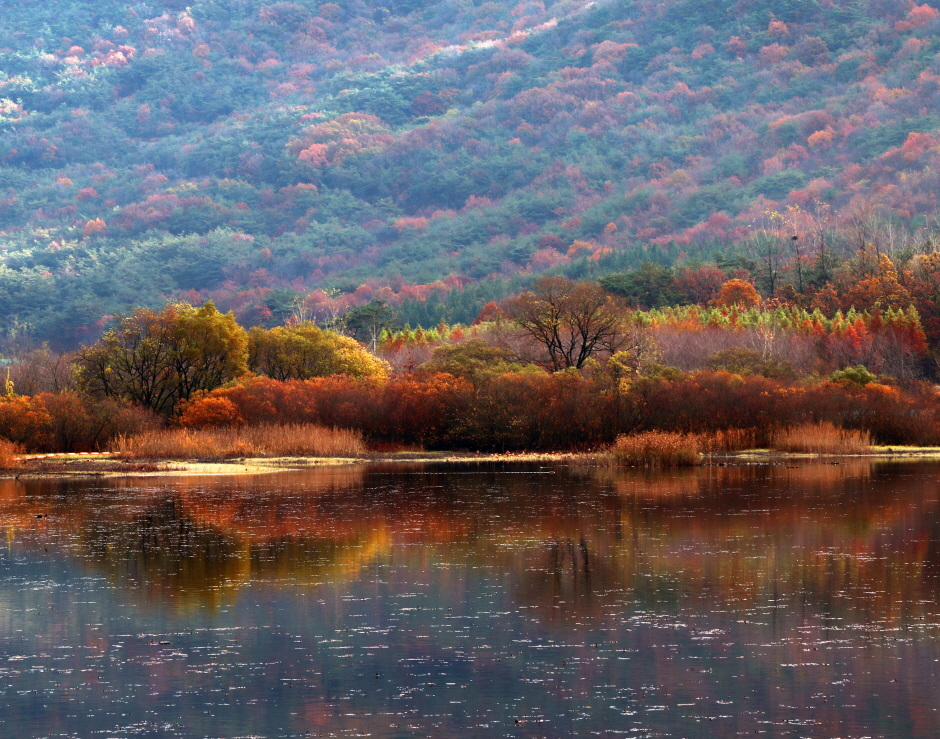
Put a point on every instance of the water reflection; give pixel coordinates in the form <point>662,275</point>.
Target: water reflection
<point>862,528</point>
<point>706,602</point>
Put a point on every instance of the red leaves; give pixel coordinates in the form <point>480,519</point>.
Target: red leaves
<point>350,134</point>
<point>918,16</point>
<point>95,225</point>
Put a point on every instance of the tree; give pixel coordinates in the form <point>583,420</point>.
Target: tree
<point>570,320</point>
<point>41,371</point>
<point>738,294</point>
<point>367,322</point>
<point>156,360</point>
<point>474,360</point>
<point>650,286</point>
<point>770,252</point>
<point>210,348</point>
<point>302,351</point>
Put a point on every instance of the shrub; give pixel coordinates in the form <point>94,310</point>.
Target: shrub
<point>9,454</point>
<point>68,421</point>
<point>210,411</point>
<point>858,375</point>
<point>25,422</point>
<point>743,361</point>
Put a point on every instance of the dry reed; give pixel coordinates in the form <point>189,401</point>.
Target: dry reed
<point>668,449</point>
<point>727,440</point>
<point>289,440</point>
<point>9,454</point>
<point>821,438</point>
<point>657,449</point>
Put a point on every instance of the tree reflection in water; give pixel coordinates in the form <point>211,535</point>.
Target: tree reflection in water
<point>822,579</point>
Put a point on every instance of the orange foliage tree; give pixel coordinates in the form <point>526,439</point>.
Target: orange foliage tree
<point>738,294</point>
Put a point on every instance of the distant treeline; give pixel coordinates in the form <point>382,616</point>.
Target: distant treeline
<point>563,365</point>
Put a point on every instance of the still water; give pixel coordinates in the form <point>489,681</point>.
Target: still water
<point>770,600</point>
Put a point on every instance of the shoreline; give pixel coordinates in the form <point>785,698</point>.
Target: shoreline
<point>53,466</point>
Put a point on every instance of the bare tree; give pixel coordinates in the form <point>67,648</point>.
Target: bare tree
<point>769,251</point>
<point>570,321</point>
<point>638,352</point>
<point>41,371</point>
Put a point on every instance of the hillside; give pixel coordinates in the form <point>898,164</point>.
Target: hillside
<point>251,152</point>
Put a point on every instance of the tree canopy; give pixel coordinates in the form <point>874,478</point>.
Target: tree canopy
<point>570,321</point>
<point>158,359</point>
<point>302,351</point>
<point>436,156</point>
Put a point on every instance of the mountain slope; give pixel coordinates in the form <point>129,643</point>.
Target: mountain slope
<point>253,151</point>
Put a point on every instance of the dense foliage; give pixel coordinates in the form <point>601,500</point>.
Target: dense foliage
<point>564,365</point>
<point>257,152</point>
<point>159,360</point>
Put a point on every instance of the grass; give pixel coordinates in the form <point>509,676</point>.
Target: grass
<point>289,440</point>
<point>821,438</point>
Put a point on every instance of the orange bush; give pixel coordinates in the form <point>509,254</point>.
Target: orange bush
<point>26,422</point>
<point>9,454</point>
<point>68,422</point>
<point>210,411</point>
<point>738,293</point>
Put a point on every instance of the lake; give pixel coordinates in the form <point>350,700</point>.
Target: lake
<point>785,600</point>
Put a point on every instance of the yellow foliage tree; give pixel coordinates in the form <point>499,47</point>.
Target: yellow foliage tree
<point>156,360</point>
<point>302,351</point>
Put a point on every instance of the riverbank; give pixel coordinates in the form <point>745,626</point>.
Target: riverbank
<point>109,465</point>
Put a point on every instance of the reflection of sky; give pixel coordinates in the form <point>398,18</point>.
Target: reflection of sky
<point>796,602</point>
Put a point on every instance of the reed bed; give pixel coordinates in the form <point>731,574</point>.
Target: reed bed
<point>288,440</point>
<point>727,440</point>
<point>674,449</point>
<point>657,449</point>
<point>9,454</point>
<point>821,438</point>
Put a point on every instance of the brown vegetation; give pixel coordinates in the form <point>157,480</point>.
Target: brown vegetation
<point>821,438</point>
<point>84,466</point>
<point>566,411</point>
<point>9,454</point>
<point>306,440</point>
<point>727,440</point>
<point>68,421</point>
<point>657,449</point>
<point>669,449</point>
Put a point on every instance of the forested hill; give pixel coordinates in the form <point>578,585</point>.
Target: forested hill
<point>252,151</point>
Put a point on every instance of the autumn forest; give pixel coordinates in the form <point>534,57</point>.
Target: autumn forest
<point>514,225</point>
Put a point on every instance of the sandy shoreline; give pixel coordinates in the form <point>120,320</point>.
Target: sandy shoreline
<point>105,465</point>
